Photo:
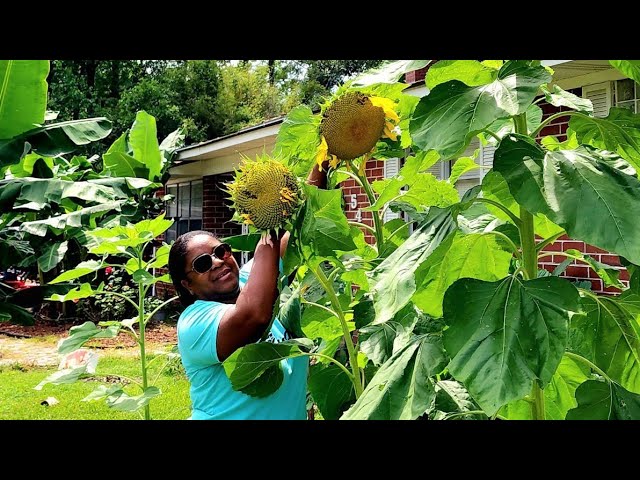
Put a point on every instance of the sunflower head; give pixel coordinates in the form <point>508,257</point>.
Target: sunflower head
<point>264,193</point>
<point>352,125</point>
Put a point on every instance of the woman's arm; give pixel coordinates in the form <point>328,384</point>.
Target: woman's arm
<point>245,322</point>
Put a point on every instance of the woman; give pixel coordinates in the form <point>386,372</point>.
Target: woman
<point>228,308</point>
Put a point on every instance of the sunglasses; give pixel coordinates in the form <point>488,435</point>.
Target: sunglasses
<point>203,263</point>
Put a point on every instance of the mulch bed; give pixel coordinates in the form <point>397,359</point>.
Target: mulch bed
<point>155,333</point>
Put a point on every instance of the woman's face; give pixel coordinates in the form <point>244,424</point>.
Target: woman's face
<point>220,282</point>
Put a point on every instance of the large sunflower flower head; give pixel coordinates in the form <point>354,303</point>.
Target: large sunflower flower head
<point>352,124</point>
<point>265,193</point>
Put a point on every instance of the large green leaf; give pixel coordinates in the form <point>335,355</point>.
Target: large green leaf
<point>505,126</point>
<point>451,397</point>
<point>15,314</point>
<point>392,282</point>
<point>62,377</point>
<point>559,394</point>
<point>54,139</point>
<point>81,334</point>
<point>331,390</point>
<point>120,164</point>
<point>291,310</point>
<point>425,190</point>
<point>480,256</point>
<point>631,68</point>
<point>505,335</point>
<point>52,256</point>
<point>298,139</point>
<point>470,72</point>
<point>247,364</point>
<point>325,228</point>
<point>317,322</point>
<point>143,139</point>
<point>83,291</point>
<point>121,401</point>
<point>23,95</point>
<point>605,401</point>
<point>452,113</point>
<point>243,243</point>
<point>389,72</point>
<point>402,388</point>
<point>494,187</point>
<point>83,268</point>
<point>619,132</point>
<point>379,342</point>
<point>565,184</point>
<point>609,336</point>
<point>78,218</point>
<point>561,98</point>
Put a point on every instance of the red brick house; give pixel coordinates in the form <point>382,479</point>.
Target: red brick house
<point>199,169</point>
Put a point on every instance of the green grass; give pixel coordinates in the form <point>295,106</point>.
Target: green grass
<point>19,401</point>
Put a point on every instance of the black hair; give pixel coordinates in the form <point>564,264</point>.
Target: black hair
<point>177,264</point>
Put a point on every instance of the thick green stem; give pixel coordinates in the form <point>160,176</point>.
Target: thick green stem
<point>372,199</point>
<point>530,267</point>
<point>508,212</point>
<point>143,357</point>
<point>353,358</point>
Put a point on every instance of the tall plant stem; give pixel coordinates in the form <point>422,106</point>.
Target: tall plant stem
<point>143,357</point>
<point>372,199</point>
<point>335,303</point>
<point>530,268</point>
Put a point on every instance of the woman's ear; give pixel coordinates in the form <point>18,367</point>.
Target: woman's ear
<point>185,283</point>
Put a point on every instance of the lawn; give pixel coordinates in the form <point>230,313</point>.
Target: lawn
<point>19,401</point>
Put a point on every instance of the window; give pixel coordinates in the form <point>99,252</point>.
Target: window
<point>185,208</point>
<point>628,95</point>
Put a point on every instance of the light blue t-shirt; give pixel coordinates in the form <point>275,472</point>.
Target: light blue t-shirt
<point>212,396</point>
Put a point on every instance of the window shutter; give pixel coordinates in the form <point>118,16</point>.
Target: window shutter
<point>391,169</point>
<point>600,96</point>
<point>486,159</point>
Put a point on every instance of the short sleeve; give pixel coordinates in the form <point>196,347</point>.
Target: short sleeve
<point>198,333</point>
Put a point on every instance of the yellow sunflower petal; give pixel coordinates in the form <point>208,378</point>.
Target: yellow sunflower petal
<point>323,149</point>
<point>389,133</point>
<point>387,106</point>
<point>334,161</point>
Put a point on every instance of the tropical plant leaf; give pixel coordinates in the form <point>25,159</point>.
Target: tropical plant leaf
<point>52,256</point>
<point>451,397</point>
<point>331,390</point>
<point>495,335</point>
<point>23,95</point>
<point>15,314</point>
<point>290,310</point>
<point>143,139</point>
<point>469,110</point>
<point>62,377</point>
<point>604,401</point>
<point>243,243</point>
<point>393,282</point>
<point>402,388</point>
<point>120,164</point>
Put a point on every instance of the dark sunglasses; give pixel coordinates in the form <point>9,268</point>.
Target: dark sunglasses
<point>203,263</point>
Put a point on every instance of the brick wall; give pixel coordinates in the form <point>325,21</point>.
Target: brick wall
<point>375,171</point>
